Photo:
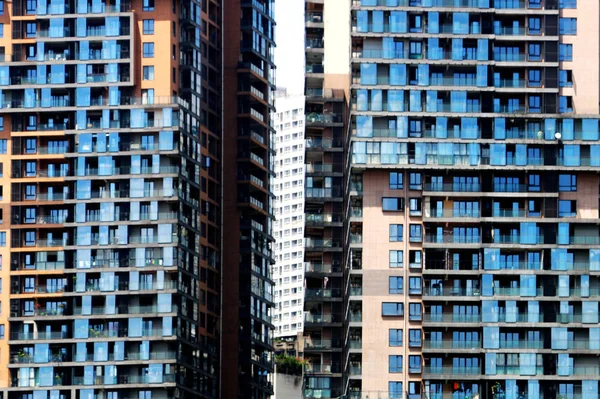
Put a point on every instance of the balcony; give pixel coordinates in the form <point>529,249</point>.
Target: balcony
<point>319,168</point>
<point>355,317</point>
<point>355,343</point>
<point>318,318</point>
<point>448,344</point>
<point>311,368</point>
<point>316,118</point>
<point>314,17</point>
<point>458,371</point>
<point>313,192</point>
<point>451,213</point>
<point>318,143</point>
<point>314,243</point>
<point>318,267</point>
<point>323,293</point>
<point>451,318</point>
<point>316,344</point>
<point>446,291</point>
<point>314,43</point>
<point>356,238</point>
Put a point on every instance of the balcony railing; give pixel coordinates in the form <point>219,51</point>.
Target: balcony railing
<point>447,344</point>
<point>474,371</point>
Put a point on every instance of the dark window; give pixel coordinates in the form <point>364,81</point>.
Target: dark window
<point>415,259</point>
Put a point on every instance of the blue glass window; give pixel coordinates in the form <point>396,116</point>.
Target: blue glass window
<point>565,52</point>
<point>393,204</point>
<point>460,23</point>
<point>415,311</point>
<point>148,27</point>
<point>567,26</point>
<point>396,337</point>
<point>392,309</point>
<point>535,26</point>
<point>567,182</point>
<point>396,259</point>
<point>565,78</point>
<point>535,52</point>
<point>148,5</point>
<point>565,104</point>
<point>589,129</point>
<point>414,338</point>
<point>368,74</point>
<point>396,232</point>
<point>535,77</point>
<point>395,364</point>
<point>148,50</point>
<point>396,285</point>
<point>567,3</point>
<point>415,182</point>
<point>535,103</point>
<point>395,389</point>
<point>415,233</point>
<point>396,181</point>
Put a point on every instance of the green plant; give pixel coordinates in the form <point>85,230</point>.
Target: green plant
<point>289,364</point>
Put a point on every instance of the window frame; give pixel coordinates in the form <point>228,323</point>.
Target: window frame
<point>148,5</point>
<point>399,254</point>
<point>413,228</point>
<point>399,309</point>
<point>149,51</point>
<point>395,364</point>
<point>415,316</point>
<point>148,26</point>
<point>387,204</point>
<point>399,341</point>
<point>396,233</point>
<point>415,343</point>
<point>396,285</point>
<point>396,181</point>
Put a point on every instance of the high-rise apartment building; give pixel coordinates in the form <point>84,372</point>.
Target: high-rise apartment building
<point>472,244</point>
<point>288,209</point>
<point>248,137</point>
<point>326,86</point>
<point>112,196</point>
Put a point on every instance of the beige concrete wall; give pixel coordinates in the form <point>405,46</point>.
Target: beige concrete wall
<point>376,273</point>
<point>586,57</point>
<point>337,45</point>
<point>586,196</point>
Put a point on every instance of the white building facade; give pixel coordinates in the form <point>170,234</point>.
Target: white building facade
<point>288,208</point>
